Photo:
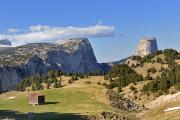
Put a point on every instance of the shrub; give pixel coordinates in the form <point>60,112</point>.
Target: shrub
<point>69,81</point>
<point>104,84</point>
<point>148,77</point>
<point>151,70</point>
<point>98,83</point>
<point>88,82</point>
<point>132,88</point>
<point>135,97</point>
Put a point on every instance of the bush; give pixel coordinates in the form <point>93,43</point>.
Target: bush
<point>104,84</point>
<point>148,77</point>
<point>74,78</point>
<point>151,70</point>
<point>138,58</point>
<point>47,86</point>
<point>88,82</point>
<point>70,81</point>
<point>135,91</point>
<point>132,88</point>
<point>98,83</point>
<point>159,60</point>
<point>135,97</point>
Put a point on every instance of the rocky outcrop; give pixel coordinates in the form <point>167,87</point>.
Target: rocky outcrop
<point>112,116</point>
<point>73,55</point>
<point>120,102</point>
<point>146,46</point>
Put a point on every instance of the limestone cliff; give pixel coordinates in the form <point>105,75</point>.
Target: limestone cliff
<point>146,46</point>
<point>73,55</point>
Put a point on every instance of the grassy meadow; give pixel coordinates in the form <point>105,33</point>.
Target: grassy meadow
<point>72,101</point>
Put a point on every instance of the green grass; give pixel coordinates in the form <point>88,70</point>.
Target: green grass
<point>60,103</point>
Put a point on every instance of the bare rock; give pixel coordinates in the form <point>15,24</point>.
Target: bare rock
<point>146,46</point>
<point>120,102</point>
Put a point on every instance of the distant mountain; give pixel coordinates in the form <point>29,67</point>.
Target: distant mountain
<point>72,55</point>
<point>122,61</point>
<point>5,43</point>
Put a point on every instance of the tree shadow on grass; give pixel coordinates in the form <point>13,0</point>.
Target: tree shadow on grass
<point>15,115</point>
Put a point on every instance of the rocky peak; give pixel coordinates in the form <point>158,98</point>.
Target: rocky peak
<point>74,41</point>
<point>146,46</point>
<point>74,55</point>
<point>74,44</point>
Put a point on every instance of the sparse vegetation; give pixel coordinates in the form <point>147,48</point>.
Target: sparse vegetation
<point>163,83</point>
<point>123,75</point>
<point>36,81</point>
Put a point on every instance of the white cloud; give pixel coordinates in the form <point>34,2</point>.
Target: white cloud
<point>38,28</point>
<point>12,30</point>
<point>41,33</point>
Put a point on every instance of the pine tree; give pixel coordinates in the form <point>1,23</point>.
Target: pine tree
<point>47,86</point>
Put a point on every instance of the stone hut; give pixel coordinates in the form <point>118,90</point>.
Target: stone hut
<point>36,99</point>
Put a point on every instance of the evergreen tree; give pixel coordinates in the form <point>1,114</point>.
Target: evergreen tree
<point>47,86</point>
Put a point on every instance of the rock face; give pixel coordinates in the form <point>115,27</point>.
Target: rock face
<point>73,55</point>
<point>120,102</point>
<point>146,46</point>
<point>8,78</point>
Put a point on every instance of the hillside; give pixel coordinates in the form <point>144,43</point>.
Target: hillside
<point>78,101</point>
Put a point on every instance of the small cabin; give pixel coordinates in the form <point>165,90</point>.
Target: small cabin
<point>36,99</point>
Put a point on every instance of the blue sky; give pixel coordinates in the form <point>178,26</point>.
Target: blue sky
<point>113,27</point>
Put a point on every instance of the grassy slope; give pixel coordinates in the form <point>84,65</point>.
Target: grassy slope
<point>146,66</point>
<point>158,113</point>
<point>76,98</point>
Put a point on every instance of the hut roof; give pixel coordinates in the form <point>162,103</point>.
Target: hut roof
<point>36,94</point>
